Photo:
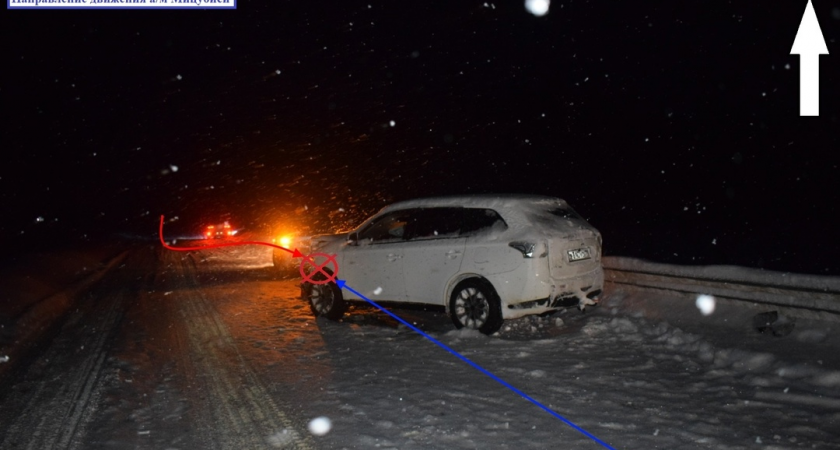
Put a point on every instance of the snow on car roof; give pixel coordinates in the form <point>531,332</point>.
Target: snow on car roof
<point>520,212</point>
<point>495,201</point>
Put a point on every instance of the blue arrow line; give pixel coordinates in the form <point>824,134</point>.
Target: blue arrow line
<point>343,285</point>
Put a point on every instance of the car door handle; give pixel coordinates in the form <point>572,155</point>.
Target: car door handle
<point>452,254</point>
<point>393,257</point>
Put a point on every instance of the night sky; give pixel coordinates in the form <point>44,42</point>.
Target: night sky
<point>672,126</point>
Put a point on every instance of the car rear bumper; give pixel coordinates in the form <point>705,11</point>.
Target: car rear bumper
<point>525,294</point>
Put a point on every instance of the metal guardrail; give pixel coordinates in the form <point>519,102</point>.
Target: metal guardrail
<point>819,295</point>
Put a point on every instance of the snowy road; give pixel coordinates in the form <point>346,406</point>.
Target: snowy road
<point>212,350</point>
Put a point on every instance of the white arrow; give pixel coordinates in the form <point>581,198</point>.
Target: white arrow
<point>809,45</point>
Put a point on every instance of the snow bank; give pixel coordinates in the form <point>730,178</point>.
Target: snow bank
<point>631,380</point>
<point>25,319</point>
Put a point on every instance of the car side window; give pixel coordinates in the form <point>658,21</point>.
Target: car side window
<point>389,227</point>
<point>434,223</point>
<point>479,220</point>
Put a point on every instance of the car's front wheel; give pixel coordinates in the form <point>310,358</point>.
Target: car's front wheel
<point>325,299</point>
<point>475,304</point>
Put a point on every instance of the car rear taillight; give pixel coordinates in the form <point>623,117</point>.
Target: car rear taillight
<point>527,248</point>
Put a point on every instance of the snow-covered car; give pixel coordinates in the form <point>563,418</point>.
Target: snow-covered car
<point>484,258</point>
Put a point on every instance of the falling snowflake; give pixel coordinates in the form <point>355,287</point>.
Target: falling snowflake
<point>537,7</point>
<point>320,426</point>
<point>706,304</point>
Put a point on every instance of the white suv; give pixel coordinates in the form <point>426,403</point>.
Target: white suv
<point>485,258</point>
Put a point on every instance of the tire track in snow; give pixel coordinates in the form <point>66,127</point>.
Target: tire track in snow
<point>89,379</point>
<point>242,405</point>
<point>57,406</point>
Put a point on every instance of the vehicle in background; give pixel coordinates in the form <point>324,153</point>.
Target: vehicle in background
<point>219,231</point>
<point>484,258</point>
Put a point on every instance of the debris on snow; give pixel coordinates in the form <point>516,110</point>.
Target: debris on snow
<point>773,323</point>
<point>584,302</point>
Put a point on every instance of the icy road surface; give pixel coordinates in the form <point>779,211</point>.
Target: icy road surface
<point>212,350</point>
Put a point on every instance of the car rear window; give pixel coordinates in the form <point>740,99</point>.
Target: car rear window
<point>556,214</point>
<point>480,220</point>
<point>564,213</point>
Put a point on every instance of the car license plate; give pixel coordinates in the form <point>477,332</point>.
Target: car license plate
<point>579,254</point>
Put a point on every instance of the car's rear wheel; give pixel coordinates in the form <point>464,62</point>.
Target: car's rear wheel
<point>325,299</point>
<point>475,304</point>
